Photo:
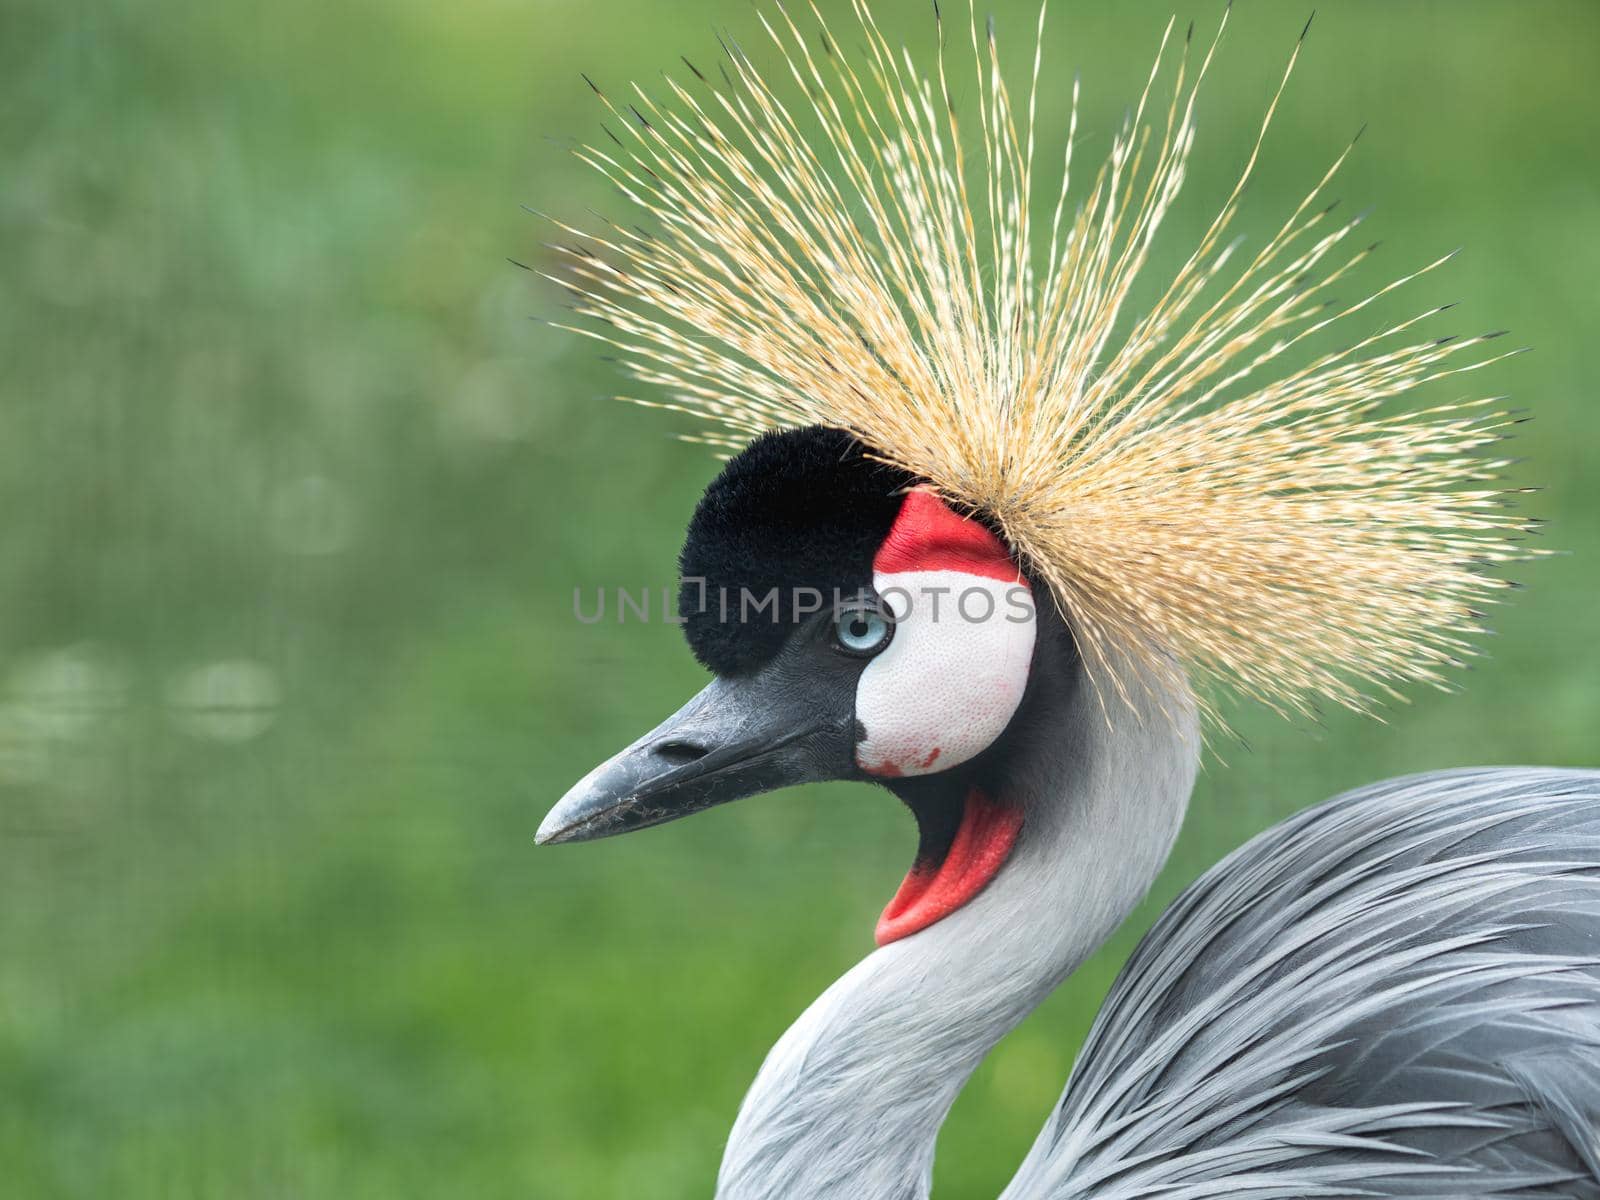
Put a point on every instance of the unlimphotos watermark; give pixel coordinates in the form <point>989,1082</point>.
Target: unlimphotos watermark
<point>676,604</point>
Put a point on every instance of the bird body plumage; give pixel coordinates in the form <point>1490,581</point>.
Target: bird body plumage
<point>1396,993</point>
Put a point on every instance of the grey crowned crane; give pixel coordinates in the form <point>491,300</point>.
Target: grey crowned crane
<point>995,547</point>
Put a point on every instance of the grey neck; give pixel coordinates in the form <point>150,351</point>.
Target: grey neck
<point>849,1102</point>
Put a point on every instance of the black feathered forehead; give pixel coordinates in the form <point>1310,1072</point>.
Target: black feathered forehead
<point>796,509</point>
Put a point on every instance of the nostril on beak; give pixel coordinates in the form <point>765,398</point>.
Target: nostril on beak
<point>679,752</point>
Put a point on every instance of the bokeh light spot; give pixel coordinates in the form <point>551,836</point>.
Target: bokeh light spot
<point>312,515</point>
<point>233,700</point>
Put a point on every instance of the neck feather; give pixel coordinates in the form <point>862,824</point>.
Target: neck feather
<point>850,1100</point>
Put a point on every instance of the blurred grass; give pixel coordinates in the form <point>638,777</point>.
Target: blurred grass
<point>296,496</point>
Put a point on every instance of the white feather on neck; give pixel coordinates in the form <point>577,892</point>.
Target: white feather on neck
<point>849,1102</point>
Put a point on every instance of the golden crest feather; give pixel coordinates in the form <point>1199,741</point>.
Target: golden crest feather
<point>1292,537</point>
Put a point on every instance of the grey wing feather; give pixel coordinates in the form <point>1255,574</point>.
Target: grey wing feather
<point>1564,1085</point>
<point>1396,993</point>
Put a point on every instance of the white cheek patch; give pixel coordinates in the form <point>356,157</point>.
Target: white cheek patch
<point>950,681</point>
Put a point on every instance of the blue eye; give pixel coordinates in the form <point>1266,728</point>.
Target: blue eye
<point>862,631</point>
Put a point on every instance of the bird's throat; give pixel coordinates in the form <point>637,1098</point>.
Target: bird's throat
<point>1030,856</point>
<point>953,865</point>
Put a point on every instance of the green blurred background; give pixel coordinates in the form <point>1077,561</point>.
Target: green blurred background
<point>297,486</point>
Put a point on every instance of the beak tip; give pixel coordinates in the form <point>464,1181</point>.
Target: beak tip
<point>551,828</point>
<point>576,814</point>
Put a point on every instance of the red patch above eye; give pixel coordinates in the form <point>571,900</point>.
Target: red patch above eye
<point>929,536</point>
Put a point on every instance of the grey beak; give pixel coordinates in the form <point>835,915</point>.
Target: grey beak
<point>736,738</point>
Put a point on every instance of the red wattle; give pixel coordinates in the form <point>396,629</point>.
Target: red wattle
<point>982,844</point>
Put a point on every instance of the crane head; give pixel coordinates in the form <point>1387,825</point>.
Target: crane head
<point>857,627</point>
